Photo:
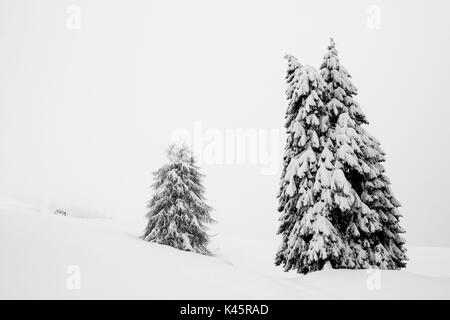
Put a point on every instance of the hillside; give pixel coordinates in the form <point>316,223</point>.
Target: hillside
<point>37,248</point>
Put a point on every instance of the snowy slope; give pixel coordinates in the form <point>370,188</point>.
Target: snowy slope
<point>36,249</point>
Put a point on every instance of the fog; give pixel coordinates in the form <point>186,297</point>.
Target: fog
<point>92,92</point>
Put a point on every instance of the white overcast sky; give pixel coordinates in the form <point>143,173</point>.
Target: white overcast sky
<point>86,114</point>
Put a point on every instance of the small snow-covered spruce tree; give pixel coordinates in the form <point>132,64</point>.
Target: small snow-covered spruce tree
<point>366,213</point>
<point>178,214</point>
<point>309,239</point>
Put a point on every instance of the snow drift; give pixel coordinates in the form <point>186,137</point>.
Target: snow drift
<point>38,251</point>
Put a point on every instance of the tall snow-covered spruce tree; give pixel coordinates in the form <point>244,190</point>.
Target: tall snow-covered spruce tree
<point>337,208</point>
<point>310,241</point>
<point>178,214</point>
<point>371,223</point>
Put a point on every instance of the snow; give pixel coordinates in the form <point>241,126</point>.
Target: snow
<point>38,248</point>
<point>300,165</point>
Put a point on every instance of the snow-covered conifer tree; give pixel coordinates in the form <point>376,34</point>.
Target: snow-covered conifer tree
<point>389,251</point>
<point>178,213</point>
<point>309,239</point>
<point>365,208</point>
